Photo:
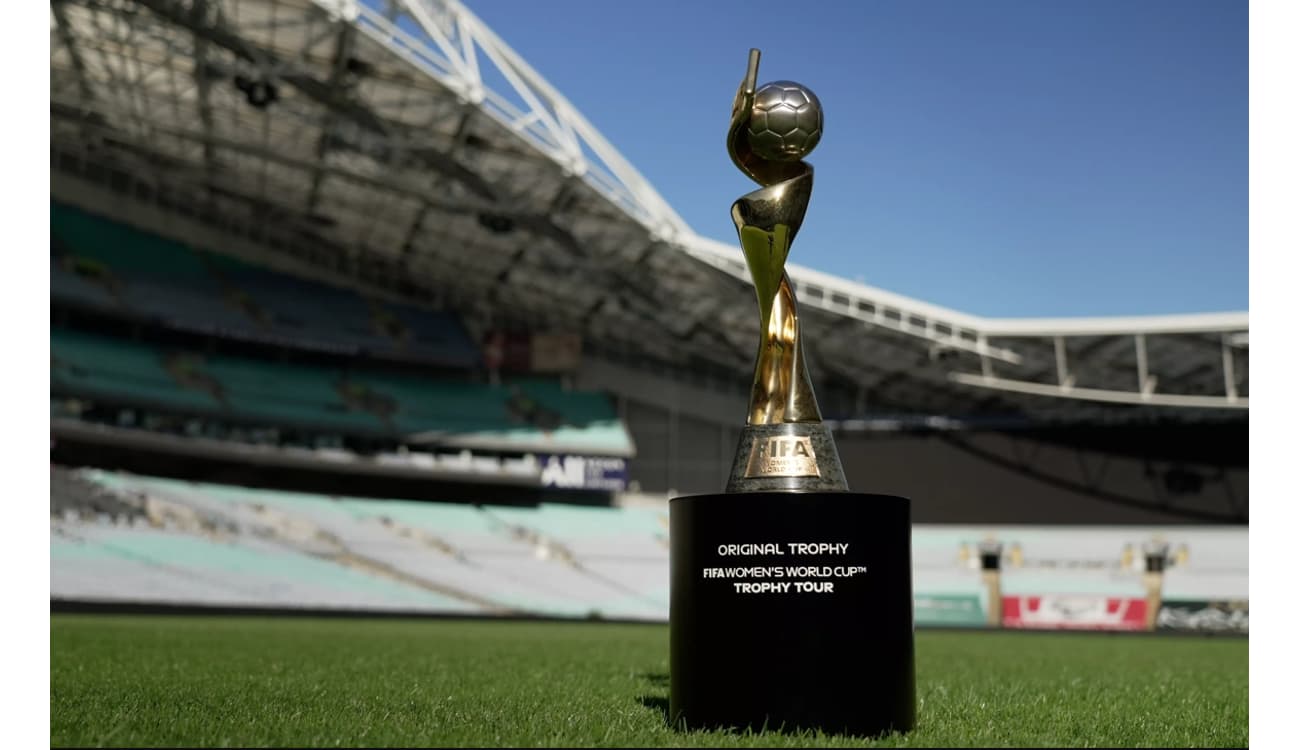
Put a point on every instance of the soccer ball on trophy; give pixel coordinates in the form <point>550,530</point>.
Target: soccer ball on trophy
<point>786,123</point>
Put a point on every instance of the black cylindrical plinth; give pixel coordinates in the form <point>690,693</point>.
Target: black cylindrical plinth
<point>792,610</point>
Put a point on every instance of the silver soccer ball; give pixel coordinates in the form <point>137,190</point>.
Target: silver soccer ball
<point>786,121</point>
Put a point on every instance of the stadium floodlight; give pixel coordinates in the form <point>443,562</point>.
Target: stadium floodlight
<point>990,563</point>
<point>1155,553</point>
<point>791,597</point>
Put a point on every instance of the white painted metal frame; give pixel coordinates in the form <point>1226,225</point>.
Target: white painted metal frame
<point>454,45</point>
<point>1145,397</point>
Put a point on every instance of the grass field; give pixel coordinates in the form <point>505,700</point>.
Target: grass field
<point>221,681</point>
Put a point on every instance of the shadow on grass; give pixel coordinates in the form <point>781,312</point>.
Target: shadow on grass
<point>657,679</point>
<point>657,702</point>
<point>660,703</point>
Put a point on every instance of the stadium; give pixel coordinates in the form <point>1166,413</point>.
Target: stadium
<point>370,354</point>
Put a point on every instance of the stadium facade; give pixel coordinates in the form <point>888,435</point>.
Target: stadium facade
<point>363,248</point>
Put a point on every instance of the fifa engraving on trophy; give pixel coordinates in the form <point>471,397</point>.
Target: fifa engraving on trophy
<point>784,446</point>
<point>779,456</point>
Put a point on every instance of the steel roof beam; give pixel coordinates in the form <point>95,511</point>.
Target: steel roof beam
<point>318,91</point>
<point>65,35</point>
<point>307,166</point>
<point>204,86</point>
<point>343,46</point>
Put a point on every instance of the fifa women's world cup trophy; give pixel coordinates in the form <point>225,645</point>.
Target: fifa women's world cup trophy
<point>791,601</point>
<point>784,445</point>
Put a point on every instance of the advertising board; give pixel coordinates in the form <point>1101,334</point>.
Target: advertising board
<point>1074,612</point>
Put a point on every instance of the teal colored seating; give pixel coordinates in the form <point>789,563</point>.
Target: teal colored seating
<point>308,396</point>
<point>262,379</point>
<point>261,574</point>
<point>587,421</point>
<point>67,285</point>
<point>105,355</point>
<point>617,562</point>
<point>578,406</point>
<point>285,392</point>
<point>597,534</point>
<point>623,570</point>
<point>113,369</point>
<point>183,287</point>
<point>606,437</point>
<point>128,251</point>
<point>426,404</point>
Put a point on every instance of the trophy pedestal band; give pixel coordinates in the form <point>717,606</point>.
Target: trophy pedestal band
<point>792,610</point>
<point>786,457</point>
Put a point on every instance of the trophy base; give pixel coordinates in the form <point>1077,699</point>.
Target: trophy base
<point>786,457</point>
<point>792,610</point>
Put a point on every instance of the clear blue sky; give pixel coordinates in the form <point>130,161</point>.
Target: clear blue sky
<point>1028,158</point>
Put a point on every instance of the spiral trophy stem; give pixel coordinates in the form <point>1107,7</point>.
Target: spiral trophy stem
<point>784,446</point>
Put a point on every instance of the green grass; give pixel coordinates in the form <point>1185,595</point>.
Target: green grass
<point>137,680</point>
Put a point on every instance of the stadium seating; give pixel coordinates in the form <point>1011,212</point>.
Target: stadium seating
<point>131,373</point>
<point>1211,570</point>
<point>111,267</point>
<point>105,563</point>
<point>66,283</point>
<point>208,543</point>
<point>73,497</point>
<point>103,368</point>
<point>389,554</point>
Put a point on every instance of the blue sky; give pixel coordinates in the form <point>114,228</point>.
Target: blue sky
<point>1028,158</point>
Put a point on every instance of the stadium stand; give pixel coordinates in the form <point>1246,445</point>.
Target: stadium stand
<point>389,554</point>
<point>316,551</point>
<point>146,565</point>
<point>528,414</point>
<point>115,268</point>
<point>73,497</point>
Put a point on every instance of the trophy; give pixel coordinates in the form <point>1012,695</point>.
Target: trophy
<point>791,597</point>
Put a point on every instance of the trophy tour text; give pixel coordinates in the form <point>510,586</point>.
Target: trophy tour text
<point>775,579</point>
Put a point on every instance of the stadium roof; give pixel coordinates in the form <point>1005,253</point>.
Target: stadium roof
<point>406,146</point>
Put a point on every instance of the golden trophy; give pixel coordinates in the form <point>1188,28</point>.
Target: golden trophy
<point>785,445</point>
<point>791,597</point>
